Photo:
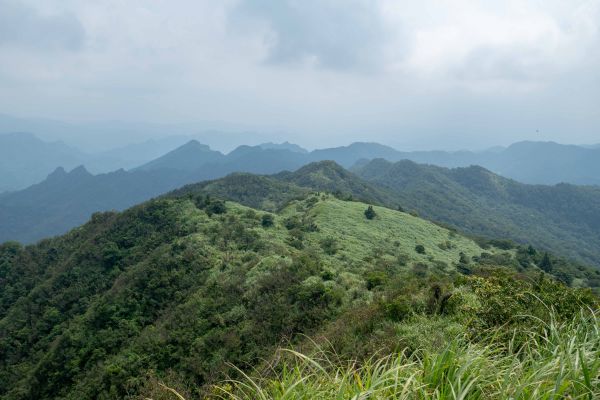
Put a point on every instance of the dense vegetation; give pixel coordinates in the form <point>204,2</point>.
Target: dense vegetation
<point>182,287</point>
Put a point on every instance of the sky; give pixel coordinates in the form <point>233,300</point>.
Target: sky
<point>443,74</point>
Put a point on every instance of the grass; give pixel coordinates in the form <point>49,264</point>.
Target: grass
<point>560,361</point>
<point>391,233</point>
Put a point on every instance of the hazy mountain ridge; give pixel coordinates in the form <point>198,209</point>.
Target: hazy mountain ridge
<point>65,200</point>
<point>24,159</point>
<point>528,162</point>
<point>27,160</point>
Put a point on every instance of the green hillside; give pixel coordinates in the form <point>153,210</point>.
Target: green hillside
<point>181,289</point>
<point>564,219</point>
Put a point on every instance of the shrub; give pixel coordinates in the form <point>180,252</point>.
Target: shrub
<point>420,249</point>
<point>329,245</point>
<point>546,264</point>
<point>420,269</point>
<point>370,213</point>
<point>403,259</point>
<point>375,278</point>
<point>216,207</point>
<point>267,220</point>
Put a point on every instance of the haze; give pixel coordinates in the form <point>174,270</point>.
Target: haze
<point>414,75</point>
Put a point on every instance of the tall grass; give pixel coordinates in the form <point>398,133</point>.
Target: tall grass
<point>555,361</point>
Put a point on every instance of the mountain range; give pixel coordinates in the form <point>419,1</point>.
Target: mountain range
<point>26,160</point>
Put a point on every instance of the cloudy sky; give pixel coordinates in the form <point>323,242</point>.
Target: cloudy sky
<point>416,75</point>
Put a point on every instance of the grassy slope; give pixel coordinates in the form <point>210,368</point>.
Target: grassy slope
<point>391,233</point>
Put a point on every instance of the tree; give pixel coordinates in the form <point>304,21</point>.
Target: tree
<point>546,264</point>
<point>267,220</point>
<point>329,245</point>
<point>420,249</point>
<point>215,207</point>
<point>370,213</point>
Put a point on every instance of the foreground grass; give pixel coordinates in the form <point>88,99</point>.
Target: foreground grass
<point>558,361</point>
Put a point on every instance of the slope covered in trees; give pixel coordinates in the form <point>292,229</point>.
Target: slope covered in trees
<point>562,218</point>
<point>179,288</point>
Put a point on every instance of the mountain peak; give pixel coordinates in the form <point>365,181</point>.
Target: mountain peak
<point>194,145</point>
<point>59,172</point>
<point>79,171</point>
<point>283,146</point>
<point>187,157</point>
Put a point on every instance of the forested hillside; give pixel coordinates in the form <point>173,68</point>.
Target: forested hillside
<point>181,288</point>
<point>563,218</point>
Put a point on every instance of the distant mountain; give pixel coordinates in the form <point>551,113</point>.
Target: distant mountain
<point>189,157</point>
<point>347,156</point>
<point>67,199</point>
<point>25,159</point>
<point>564,218</point>
<point>262,159</point>
<point>202,162</point>
<point>134,154</point>
<point>528,162</point>
<point>283,146</point>
<point>545,163</point>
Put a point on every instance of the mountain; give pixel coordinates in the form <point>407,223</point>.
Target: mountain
<point>564,217</point>
<point>179,289</point>
<point>25,159</point>
<point>548,163</point>
<point>134,154</point>
<point>67,199</point>
<point>189,157</point>
<point>528,162</point>
<point>262,159</point>
<point>347,156</point>
<point>545,163</point>
<point>283,146</point>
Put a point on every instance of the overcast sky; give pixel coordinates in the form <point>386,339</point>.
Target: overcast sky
<point>421,74</point>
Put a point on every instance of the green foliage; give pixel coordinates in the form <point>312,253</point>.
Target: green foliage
<point>420,249</point>
<point>178,289</point>
<point>329,245</point>
<point>267,220</point>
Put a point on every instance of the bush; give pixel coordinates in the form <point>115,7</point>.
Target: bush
<point>375,278</point>
<point>216,207</point>
<point>329,245</point>
<point>420,249</point>
<point>267,220</point>
<point>370,213</point>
